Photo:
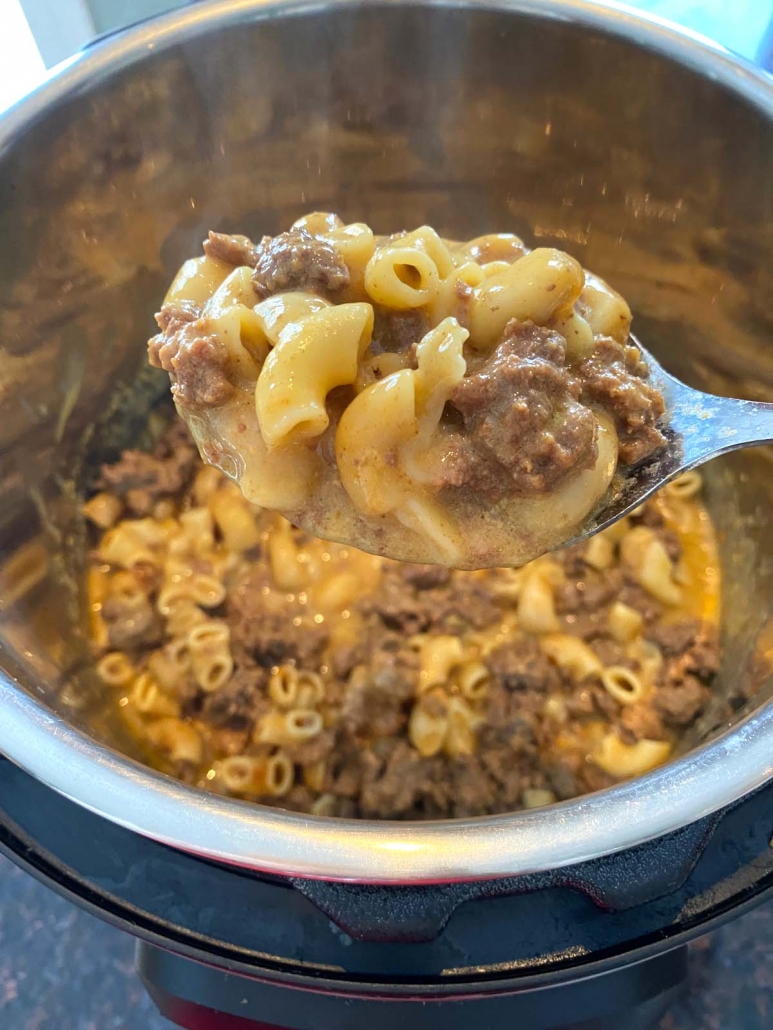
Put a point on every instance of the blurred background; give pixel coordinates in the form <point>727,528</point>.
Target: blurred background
<point>35,35</point>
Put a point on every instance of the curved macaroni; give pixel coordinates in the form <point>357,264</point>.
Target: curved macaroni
<point>536,287</point>
<point>310,358</point>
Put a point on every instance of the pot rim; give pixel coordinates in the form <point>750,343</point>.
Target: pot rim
<point>126,792</point>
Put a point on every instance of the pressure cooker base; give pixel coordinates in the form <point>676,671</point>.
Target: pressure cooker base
<point>195,996</point>
<point>250,946</point>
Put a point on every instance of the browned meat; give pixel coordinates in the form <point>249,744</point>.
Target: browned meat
<point>309,752</point>
<point>680,702</point>
<point>397,331</point>
<point>375,702</point>
<point>524,426</point>
<point>615,378</point>
<point>370,712</point>
<point>507,747</point>
<point>176,314</point>
<point>612,653</point>
<point>394,667</point>
<point>561,780</point>
<point>344,658</point>
<point>236,250</point>
<point>472,790</point>
<point>148,576</point>
<point>197,362</point>
<point>681,693</point>
<point>588,626</point>
<point>296,260</point>
<point>702,659</point>
<point>589,592</point>
<point>645,604</point>
<point>229,742</point>
<point>131,624</point>
<point>464,602</point>
<point>426,577</point>
<point>269,638</point>
<point>397,604</point>
<point>640,720</point>
<point>402,604</point>
<point>590,698</point>
<point>674,638</point>
<point>240,702</point>
<point>142,478</point>
<point>405,784</point>
<point>573,560</point>
<point>522,665</point>
<point>650,516</point>
<point>298,799</point>
<point>345,768</point>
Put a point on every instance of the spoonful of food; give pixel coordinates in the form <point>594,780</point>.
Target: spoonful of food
<point>468,404</point>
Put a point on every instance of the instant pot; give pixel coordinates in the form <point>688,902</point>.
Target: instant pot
<point>645,152</point>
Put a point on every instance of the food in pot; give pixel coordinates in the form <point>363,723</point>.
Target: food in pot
<point>250,658</point>
<point>463,404</point>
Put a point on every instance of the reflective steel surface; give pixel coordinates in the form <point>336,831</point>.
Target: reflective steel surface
<point>645,152</point>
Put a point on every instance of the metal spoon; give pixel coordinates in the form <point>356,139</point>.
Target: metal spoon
<point>699,427</point>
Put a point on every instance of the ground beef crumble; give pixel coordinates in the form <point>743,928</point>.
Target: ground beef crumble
<point>142,478</point>
<point>236,250</point>
<point>196,360</point>
<point>397,331</point>
<point>524,428</point>
<point>615,377</point>
<point>238,704</point>
<point>296,260</point>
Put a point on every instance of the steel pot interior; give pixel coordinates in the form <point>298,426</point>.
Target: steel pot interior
<point>646,153</point>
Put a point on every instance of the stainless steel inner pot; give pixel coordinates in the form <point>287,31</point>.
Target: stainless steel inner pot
<point>646,153</point>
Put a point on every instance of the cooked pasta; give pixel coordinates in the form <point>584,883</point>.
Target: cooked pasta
<point>685,486</point>
<point>623,684</point>
<point>438,656</point>
<point>178,739</point>
<point>625,623</point>
<point>233,519</point>
<point>622,760</point>
<point>211,661</point>
<point>115,669</point>
<point>425,399</point>
<point>103,510</point>
<point>242,774</point>
<point>428,725</point>
<point>536,605</point>
<point>520,292</point>
<point>472,678</point>
<point>254,660</point>
<point>147,697</point>
<point>572,655</point>
<point>650,563</point>
<point>302,724</point>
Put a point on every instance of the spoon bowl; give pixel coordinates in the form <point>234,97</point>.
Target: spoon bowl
<point>698,426</point>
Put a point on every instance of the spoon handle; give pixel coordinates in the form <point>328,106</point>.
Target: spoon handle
<point>707,425</point>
